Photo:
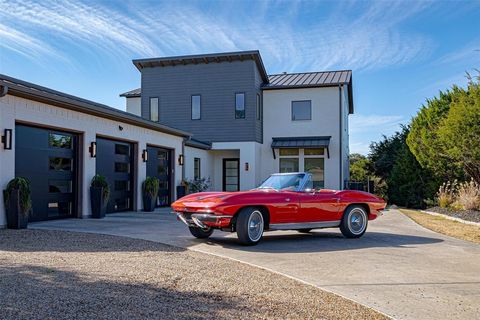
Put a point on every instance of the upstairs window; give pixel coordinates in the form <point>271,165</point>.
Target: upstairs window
<point>154,109</point>
<point>239,105</point>
<point>302,110</point>
<point>259,108</point>
<point>196,107</point>
<point>196,169</point>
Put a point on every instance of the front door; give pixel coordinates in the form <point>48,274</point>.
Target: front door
<point>231,174</point>
<point>159,166</point>
<point>115,162</point>
<point>48,159</point>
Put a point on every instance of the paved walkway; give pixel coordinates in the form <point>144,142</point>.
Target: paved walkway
<point>397,267</point>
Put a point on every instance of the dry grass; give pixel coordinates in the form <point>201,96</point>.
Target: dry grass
<point>445,226</point>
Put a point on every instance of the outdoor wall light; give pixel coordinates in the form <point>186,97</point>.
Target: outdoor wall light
<point>93,149</point>
<point>7,139</point>
<point>180,160</point>
<point>247,166</point>
<point>145,155</point>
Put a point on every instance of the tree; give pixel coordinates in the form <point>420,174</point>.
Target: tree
<point>459,132</point>
<point>359,167</point>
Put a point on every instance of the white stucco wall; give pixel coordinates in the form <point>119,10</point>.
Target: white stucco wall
<point>134,105</point>
<point>325,121</point>
<point>206,163</point>
<point>14,109</point>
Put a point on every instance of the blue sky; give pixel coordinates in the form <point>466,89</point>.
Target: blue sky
<point>401,53</point>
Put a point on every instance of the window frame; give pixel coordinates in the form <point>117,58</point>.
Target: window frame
<point>301,159</point>
<point>259,107</point>
<point>291,110</point>
<point>150,108</point>
<point>244,105</point>
<point>200,106</point>
<point>195,161</point>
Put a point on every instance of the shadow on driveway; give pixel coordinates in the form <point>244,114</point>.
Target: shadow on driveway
<point>321,242</point>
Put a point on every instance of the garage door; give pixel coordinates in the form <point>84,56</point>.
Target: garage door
<point>48,159</point>
<point>115,162</point>
<point>159,165</point>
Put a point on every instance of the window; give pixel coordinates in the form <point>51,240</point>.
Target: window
<point>239,105</point>
<point>154,109</point>
<point>59,141</point>
<point>61,164</point>
<point>302,110</point>
<point>122,149</point>
<point>259,108</point>
<point>196,107</point>
<point>196,169</point>
<point>309,160</point>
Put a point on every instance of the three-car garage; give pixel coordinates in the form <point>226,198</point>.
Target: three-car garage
<point>51,138</point>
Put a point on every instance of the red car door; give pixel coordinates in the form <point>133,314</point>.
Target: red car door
<point>318,206</point>
<point>284,206</point>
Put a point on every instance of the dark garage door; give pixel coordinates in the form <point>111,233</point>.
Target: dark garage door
<point>115,163</point>
<point>48,159</point>
<point>159,165</point>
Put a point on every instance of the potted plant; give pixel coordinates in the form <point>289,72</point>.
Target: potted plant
<point>182,189</point>
<point>99,194</point>
<point>17,202</point>
<point>150,193</point>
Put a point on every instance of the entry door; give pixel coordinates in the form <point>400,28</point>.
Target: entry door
<point>48,159</point>
<point>115,162</point>
<point>159,165</point>
<point>231,174</point>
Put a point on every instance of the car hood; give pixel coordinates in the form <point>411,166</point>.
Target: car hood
<point>205,200</point>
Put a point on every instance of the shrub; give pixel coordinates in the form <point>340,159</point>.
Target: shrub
<point>446,194</point>
<point>99,181</point>
<point>151,186</point>
<point>197,185</point>
<point>468,195</point>
<point>23,185</point>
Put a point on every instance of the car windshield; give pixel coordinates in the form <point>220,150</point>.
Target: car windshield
<point>283,181</point>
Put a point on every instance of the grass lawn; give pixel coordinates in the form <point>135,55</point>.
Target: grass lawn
<point>445,226</point>
<point>67,275</point>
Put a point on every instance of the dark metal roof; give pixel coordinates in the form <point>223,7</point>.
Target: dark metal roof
<point>204,58</point>
<point>312,80</point>
<point>132,93</point>
<point>198,144</point>
<point>301,142</point>
<point>35,92</point>
<point>308,79</point>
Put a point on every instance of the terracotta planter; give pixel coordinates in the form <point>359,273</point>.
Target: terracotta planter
<point>99,207</point>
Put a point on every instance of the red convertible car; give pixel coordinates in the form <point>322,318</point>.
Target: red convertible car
<point>285,201</point>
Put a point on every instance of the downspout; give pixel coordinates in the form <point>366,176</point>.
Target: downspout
<point>341,136</point>
<point>3,91</point>
<point>183,153</point>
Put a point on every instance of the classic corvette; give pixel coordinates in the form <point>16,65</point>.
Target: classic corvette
<point>285,201</point>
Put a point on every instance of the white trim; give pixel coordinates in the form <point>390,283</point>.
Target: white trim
<point>304,225</point>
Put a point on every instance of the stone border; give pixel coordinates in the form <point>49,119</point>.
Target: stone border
<point>451,218</point>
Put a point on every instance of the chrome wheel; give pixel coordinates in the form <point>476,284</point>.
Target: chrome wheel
<point>357,221</point>
<point>255,226</point>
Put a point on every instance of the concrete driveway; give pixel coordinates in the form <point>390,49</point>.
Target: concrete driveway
<point>397,267</point>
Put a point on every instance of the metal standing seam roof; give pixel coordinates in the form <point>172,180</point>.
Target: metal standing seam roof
<point>132,93</point>
<point>204,58</point>
<point>35,92</point>
<point>301,142</point>
<point>308,79</point>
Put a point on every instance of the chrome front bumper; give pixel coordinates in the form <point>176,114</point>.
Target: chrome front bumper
<point>198,219</point>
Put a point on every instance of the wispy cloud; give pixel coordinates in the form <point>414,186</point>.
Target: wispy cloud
<point>354,36</point>
<point>367,128</point>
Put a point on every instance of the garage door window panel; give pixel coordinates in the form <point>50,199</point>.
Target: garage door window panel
<point>57,140</point>
<point>61,164</point>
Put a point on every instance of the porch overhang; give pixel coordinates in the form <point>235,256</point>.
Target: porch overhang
<point>301,142</point>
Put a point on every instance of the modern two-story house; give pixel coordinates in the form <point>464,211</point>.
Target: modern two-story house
<point>218,116</point>
<point>248,124</point>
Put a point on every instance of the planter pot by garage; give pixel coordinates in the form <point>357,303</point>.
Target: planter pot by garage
<point>16,217</point>
<point>181,191</point>
<point>98,205</point>
<point>149,203</point>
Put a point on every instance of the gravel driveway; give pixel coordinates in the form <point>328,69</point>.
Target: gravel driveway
<point>63,275</point>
